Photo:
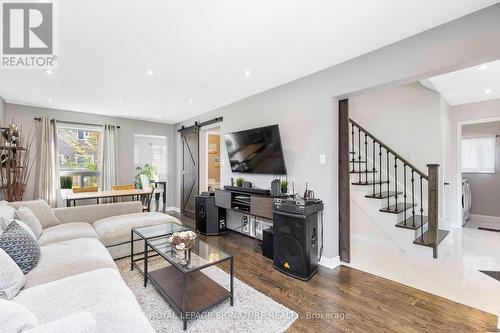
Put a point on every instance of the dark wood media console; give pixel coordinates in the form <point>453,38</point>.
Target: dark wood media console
<point>245,202</point>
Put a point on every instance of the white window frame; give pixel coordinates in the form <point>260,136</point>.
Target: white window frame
<point>491,167</point>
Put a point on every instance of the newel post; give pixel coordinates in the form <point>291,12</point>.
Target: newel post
<point>433,206</point>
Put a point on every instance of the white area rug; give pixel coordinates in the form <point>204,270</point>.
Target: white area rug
<point>252,310</point>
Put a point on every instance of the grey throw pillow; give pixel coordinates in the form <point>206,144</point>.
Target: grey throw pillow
<point>20,246</point>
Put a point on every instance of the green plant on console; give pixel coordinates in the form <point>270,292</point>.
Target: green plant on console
<point>239,181</point>
<point>284,186</point>
<point>148,170</point>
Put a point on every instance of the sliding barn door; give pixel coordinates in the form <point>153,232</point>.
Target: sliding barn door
<point>190,165</point>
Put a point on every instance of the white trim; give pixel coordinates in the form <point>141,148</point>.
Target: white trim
<point>485,218</point>
<point>173,209</point>
<point>330,263</point>
<point>151,136</point>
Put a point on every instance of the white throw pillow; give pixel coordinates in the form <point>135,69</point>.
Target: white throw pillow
<point>15,317</point>
<point>78,323</point>
<point>41,209</point>
<point>6,212</point>
<point>12,278</point>
<point>27,216</point>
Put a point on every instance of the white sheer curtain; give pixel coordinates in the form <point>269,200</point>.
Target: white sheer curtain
<point>47,182</point>
<point>109,157</point>
<point>478,154</point>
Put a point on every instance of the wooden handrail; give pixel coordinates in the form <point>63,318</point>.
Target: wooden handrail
<point>399,157</point>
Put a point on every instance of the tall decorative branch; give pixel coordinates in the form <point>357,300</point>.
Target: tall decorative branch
<point>15,164</point>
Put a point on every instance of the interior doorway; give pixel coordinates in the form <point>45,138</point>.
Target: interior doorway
<point>478,150</point>
<point>151,150</point>
<point>210,168</point>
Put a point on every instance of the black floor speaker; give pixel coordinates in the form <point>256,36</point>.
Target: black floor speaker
<point>296,244</point>
<point>267,243</point>
<point>210,220</point>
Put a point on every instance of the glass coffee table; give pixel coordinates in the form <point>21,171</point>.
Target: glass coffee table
<point>188,290</point>
<point>146,233</point>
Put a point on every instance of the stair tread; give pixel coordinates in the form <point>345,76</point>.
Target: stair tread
<point>357,161</point>
<point>396,209</point>
<point>367,171</point>
<point>409,222</point>
<point>382,195</point>
<point>424,240</point>
<point>371,182</point>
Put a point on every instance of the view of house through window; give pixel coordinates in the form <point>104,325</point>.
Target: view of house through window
<point>79,156</point>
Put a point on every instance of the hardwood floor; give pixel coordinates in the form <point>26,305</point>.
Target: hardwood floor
<point>348,300</point>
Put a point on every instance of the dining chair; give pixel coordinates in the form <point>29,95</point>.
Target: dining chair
<point>147,186</point>
<point>122,188</point>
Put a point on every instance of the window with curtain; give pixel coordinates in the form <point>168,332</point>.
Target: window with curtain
<point>80,155</point>
<point>478,154</point>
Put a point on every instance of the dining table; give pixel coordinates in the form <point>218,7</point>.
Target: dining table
<point>98,195</point>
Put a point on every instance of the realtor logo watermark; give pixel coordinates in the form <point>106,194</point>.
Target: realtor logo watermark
<point>28,32</point>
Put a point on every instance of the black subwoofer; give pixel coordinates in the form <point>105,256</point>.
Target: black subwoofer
<point>210,219</point>
<point>295,244</point>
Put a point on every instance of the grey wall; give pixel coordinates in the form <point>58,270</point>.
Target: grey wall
<point>486,186</point>
<point>306,109</point>
<point>24,115</point>
<point>407,118</point>
<point>2,112</point>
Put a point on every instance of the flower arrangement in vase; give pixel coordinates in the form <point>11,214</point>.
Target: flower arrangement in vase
<point>183,241</point>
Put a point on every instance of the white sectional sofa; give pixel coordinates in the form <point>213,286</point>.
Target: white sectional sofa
<point>76,277</point>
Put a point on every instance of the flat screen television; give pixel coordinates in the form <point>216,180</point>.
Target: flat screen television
<point>256,150</point>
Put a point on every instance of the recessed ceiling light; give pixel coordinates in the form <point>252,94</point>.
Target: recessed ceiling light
<point>48,71</point>
<point>191,101</point>
<point>121,102</point>
<point>150,72</point>
<point>483,67</point>
<point>487,91</point>
<point>247,73</point>
<point>51,100</point>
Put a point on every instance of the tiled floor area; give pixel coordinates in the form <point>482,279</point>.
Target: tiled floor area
<point>454,275</point>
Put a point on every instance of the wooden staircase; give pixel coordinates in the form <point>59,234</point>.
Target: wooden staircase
<point>401,188</point>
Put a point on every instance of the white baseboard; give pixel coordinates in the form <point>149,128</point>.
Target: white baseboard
<point>330,263</point>
<point>173,209</point>
<point>485,218</point>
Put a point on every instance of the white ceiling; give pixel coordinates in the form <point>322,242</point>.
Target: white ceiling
<point>199,50</point>
<point>474,84</point>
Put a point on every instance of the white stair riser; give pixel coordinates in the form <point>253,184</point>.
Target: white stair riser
<point>402,237</point>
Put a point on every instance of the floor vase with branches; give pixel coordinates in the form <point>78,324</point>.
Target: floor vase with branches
<point>15,164</point>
